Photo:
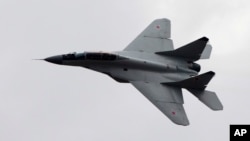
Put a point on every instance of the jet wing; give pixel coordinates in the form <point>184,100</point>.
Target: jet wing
<point>155,38</point>
<point>168,99</point>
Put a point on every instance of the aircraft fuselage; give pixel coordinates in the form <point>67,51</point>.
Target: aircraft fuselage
<point>125,67</point>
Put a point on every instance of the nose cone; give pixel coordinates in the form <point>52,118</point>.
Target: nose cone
<point>54,59</point>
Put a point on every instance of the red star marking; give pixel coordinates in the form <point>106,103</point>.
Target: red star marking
<point>158,27</point>
<point>173,113</point>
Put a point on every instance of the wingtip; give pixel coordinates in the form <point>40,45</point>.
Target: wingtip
<point>183,123</point>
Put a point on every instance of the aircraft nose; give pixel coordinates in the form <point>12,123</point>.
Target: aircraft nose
<point>54,59</point>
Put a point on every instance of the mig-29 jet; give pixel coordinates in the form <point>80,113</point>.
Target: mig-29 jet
<point>152,65</point>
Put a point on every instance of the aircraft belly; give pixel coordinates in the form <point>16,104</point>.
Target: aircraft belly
<point>131,69</point>
<point>152,57</point>
<point>123,71</point>
<point>146,76</point>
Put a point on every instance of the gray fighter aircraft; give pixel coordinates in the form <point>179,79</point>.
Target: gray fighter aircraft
<point>159,72</point>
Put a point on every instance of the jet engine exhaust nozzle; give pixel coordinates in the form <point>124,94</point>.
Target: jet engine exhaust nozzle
<point>195,67</point>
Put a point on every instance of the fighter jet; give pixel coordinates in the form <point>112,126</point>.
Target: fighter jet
<point>152,65</point>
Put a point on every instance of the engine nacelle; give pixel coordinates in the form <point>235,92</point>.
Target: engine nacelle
<point>194,66</point>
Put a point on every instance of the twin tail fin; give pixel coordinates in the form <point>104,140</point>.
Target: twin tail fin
<point>199,49</point>
<point>196,85</point>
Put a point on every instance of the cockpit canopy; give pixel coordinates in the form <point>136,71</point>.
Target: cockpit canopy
<point>90,56</point>
<point>69,56</point>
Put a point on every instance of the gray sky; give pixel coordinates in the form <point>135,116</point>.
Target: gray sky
<point>41,101</point>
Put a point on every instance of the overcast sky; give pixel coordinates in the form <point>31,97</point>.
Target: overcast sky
<point>40,101</point>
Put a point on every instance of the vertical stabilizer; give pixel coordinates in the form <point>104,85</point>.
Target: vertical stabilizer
<point>199,49</point>
<point>198,82</point>
<point>196,85</point>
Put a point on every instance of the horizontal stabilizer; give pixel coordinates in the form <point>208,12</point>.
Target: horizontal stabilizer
<point>198,82</point>
<point>193,51</point>
<point>206,52</point>
<point>208,98</point>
